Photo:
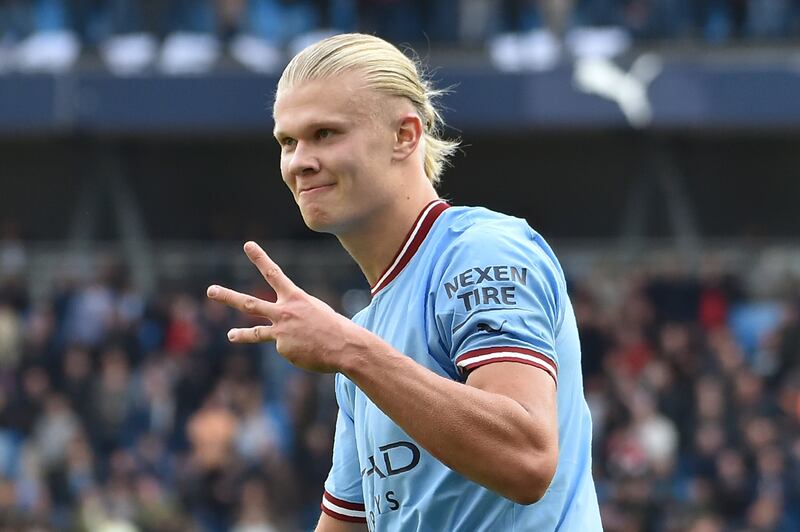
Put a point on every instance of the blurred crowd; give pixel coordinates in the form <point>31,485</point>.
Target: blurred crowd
<point>121,413</point>
<point>189,35</point>
<point>694,388</point>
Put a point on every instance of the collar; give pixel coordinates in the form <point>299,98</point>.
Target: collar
<point>422,226</point>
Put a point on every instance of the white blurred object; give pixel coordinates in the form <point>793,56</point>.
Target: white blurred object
<point>126,55</point>
<point>658,438</point>
<point>604,78</point>
<point>50,51</point>
<point>537,50</point>
<point>256,54</point>
<point>504,51</point>
<point>115,526</point>
<point>540,50</point>
<point>598,42</point>
<point>305,40</point>
<point>188,53</point>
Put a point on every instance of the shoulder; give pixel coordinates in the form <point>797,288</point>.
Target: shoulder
<point>467,221</point>
<point>482,237</point>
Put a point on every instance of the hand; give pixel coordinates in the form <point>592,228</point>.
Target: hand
<point>306,331</point>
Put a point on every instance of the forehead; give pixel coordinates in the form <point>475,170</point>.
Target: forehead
<point>344,97</point>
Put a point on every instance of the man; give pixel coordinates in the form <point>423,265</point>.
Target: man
<point>459,387</point>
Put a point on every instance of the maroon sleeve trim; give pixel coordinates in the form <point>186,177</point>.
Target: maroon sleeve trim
<point>342,510</point>
<point>466,362</point>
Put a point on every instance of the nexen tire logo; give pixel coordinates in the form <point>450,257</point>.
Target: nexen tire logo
<point>398,457</point>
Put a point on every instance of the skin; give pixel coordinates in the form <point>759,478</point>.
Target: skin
<point>353,160</point>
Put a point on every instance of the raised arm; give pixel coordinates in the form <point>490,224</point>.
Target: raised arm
<point>499,430</point>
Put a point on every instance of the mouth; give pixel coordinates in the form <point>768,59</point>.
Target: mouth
<point>315,190</point>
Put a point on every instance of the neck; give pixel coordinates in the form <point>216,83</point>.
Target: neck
<point>374,244</point>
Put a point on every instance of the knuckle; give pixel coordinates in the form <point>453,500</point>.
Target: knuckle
<point>295,296</point>
<point>250,303</point>
<point>272,271</point>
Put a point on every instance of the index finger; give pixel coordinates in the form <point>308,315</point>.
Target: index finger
<point>269,269</point>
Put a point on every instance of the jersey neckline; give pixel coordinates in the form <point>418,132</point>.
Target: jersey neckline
<point>413,240</point>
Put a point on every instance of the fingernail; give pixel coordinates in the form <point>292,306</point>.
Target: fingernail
<point>231,334</point>
<point>212,291</point>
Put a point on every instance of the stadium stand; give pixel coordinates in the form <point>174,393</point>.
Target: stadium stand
<point>182,37</point>
<point>119,408</point>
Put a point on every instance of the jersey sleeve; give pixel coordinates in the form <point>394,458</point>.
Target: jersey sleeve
<point>343,498</point>
<point>498,299</point>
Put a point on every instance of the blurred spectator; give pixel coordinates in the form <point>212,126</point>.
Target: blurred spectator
<point>13,258</point>
<point>90,315</point>
<point>10,337</point>
<point>209,483</point>
<point>153,408</point>
<point>76,381</point>
<point>655,434</point>
<point>253,513</point>
<point>55,428</point>
<point>111,401</point>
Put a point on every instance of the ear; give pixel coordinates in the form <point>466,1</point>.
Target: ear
<point>407,136</point>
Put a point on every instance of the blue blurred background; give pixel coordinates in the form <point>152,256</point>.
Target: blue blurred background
<point>653,142</point>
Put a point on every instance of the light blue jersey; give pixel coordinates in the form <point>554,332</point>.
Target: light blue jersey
<point>469,287</point>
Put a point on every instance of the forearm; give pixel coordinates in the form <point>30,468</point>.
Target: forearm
<point>487,437</point>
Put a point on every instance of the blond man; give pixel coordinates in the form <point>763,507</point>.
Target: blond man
<point>460,397</point>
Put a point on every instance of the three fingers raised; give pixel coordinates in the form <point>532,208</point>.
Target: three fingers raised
<point>250,304</point>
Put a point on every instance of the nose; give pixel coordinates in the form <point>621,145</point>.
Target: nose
<point>302,160</point>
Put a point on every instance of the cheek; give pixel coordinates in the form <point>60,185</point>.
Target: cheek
<point>368,157</point>
<point>286,175</point>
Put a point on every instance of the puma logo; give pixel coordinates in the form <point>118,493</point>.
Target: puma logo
<point>604,78</point>
<point>485,327</point>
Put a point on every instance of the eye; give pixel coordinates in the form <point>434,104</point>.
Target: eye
<point>324,133</point>
<point>287,142</point>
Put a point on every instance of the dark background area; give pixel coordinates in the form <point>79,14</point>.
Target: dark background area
<point>567,184</point>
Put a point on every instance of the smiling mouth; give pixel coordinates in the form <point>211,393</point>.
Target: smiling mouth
<point>311,190</point>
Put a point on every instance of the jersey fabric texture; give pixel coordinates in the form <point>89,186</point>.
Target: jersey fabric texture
<point>469,287</point>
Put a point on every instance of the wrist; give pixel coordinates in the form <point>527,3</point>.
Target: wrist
<point>363,348</point>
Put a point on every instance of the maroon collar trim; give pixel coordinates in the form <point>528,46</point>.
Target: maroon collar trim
<point>411,244</point>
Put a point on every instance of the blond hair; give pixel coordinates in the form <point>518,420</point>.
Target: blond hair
<point>387,70</point>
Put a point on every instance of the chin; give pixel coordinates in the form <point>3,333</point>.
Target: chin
<point>317,227</point>
<point>317,221</point>
<point>325,223</point>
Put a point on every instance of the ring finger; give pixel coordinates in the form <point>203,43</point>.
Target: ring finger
<point>251,335</point>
